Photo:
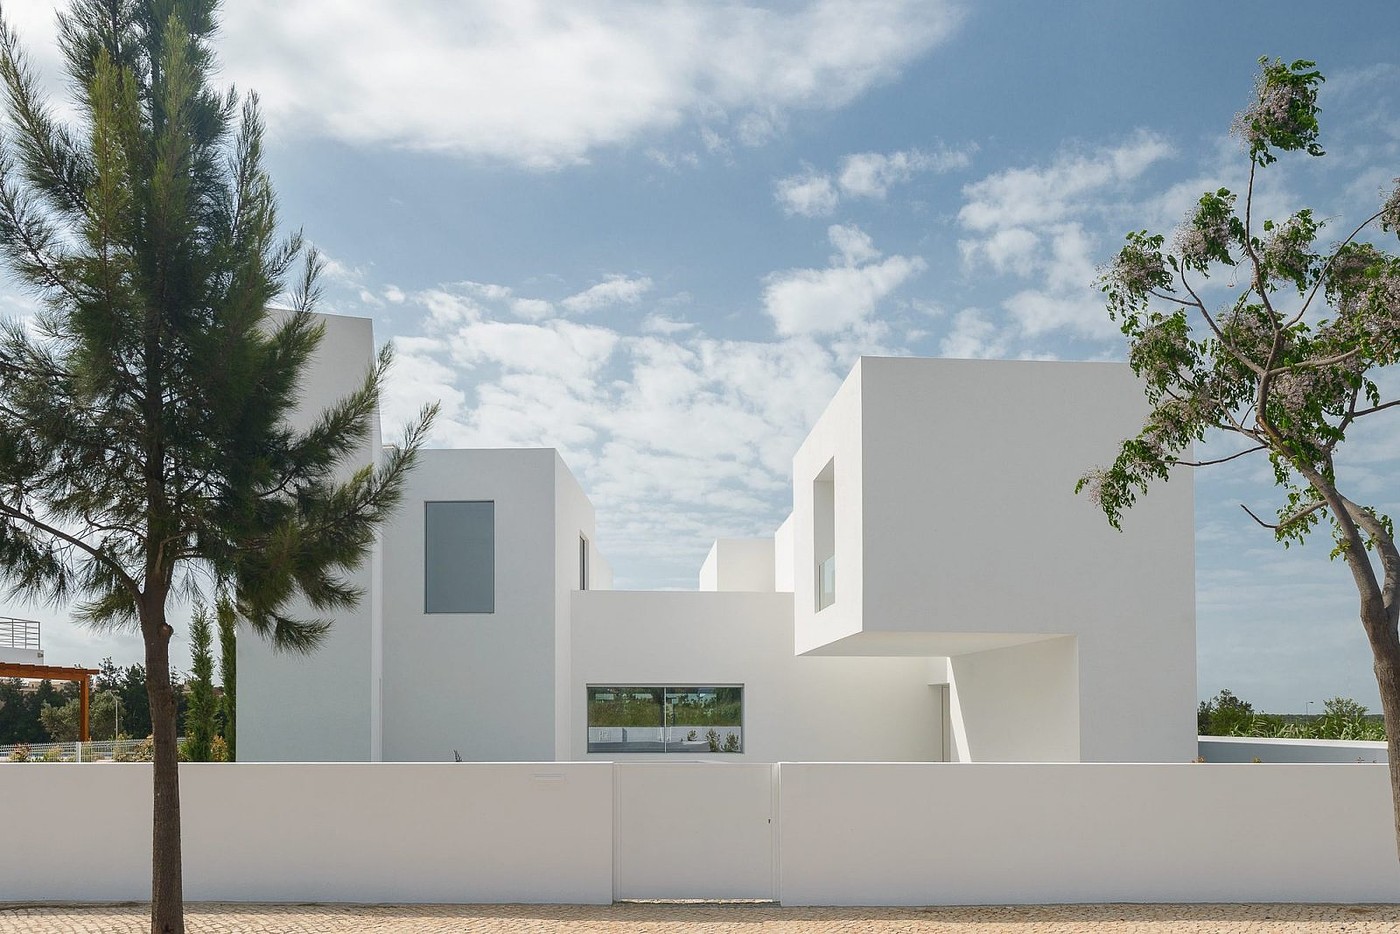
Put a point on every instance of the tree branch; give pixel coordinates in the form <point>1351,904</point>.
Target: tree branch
<point>1287,520</point>
<point>1375,408</point>
<point>1390,557</point>
<point>1215,329</point>
<point>1322,276</point>
<point>97,554</point>
<point>1221,460</point>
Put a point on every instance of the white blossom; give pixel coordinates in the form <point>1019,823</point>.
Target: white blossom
<point>1390,211</point>
<point>1274,104</point>
<point>1135,270</point>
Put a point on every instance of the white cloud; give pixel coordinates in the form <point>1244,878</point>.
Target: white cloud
<point>871,174</point>
<point>614,290</point>
<point>532,309</point>
<point>660,324</point>
<point>1024,197</point>
<point>545,84</point>
<point>863,175</point>
<point>1012,249</point>
<point>840,297</point>
<point>678,437</point>
<point>561,349</point>
<point>1039,312</point>
<point>809,194</point>
<point>972,336</point>
<point>853,243</point>
<point>1033,223</point>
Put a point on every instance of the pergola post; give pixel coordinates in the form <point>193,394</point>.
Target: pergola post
<point>84,689</point>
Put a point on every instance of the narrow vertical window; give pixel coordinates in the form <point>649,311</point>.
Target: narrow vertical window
<point>459,557</point>
<point>824,535</point>
<point>582,563</point>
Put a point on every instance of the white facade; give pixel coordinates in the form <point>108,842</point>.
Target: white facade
<point>938,593</point>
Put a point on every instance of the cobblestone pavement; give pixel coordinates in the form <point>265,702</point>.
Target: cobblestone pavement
<point>636,918</point>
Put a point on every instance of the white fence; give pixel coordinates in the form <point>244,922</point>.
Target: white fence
<point>802,833</point>
<point>92,751</point>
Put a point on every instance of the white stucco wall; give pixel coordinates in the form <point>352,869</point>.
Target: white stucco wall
<point>852,834</point>
<point>481,684</point>
<point>1249,748</point>
<point>739,564</point>
<point>970,533</point>
<point>795,708</point>
<point>317,706</point>
<point>784,569</point>
<point>841,833</point>
<point>331,832</point>
<point>836,440</point>
<point>573,518</point>
<point>1017,704</point>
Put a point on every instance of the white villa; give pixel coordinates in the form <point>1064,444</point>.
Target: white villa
<point>938,593</point>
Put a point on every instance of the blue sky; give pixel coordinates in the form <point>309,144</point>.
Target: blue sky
<point>656,236</point>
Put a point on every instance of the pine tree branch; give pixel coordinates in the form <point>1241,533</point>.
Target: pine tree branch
<point>92,551</point>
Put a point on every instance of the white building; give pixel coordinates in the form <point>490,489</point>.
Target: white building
<point>937,593</point>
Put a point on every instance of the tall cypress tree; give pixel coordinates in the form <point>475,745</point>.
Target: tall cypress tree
<point>227,618</point>
<point>201,710</point>
<point>144,439</point>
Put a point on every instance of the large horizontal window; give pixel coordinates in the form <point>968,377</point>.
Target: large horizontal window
<point>660,718</point>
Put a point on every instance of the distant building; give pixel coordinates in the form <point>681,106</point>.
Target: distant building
<point>937,593</point>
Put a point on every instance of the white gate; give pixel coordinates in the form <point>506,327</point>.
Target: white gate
<point>694,830</point>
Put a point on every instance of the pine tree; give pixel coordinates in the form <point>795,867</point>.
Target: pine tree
<point>144,439</point>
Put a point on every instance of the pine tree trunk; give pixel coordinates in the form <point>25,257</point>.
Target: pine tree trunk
<point>167,896</point>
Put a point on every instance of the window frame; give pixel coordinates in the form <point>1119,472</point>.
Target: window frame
<point>665,690</point>
<point>428,606</point>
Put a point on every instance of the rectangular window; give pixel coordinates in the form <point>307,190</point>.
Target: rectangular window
<point>459,557</point>
<point>651,718</point>
<point>824,535</point>
<point>582,563</point>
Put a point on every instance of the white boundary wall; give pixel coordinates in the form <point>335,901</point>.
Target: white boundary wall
<point>344,832</point>
<point>856,834</point>
<point>1249,748</point>
<point>868,833</point>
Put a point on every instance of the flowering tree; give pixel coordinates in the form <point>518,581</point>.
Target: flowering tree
<point>1288,363</point>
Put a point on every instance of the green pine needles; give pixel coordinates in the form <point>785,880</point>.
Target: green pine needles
<point>145,447</point>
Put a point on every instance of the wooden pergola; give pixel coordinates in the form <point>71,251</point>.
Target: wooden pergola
<point>57,673</point>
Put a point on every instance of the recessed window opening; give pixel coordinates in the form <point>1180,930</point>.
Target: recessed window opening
<point>662,718</point>
<point>582,563</point>
<point>824,535</point>
<point>459,557</point>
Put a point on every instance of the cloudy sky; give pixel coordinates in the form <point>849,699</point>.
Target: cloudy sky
<point>657,235</point>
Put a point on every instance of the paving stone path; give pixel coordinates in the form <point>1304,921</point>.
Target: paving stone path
<point>664,918</point>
